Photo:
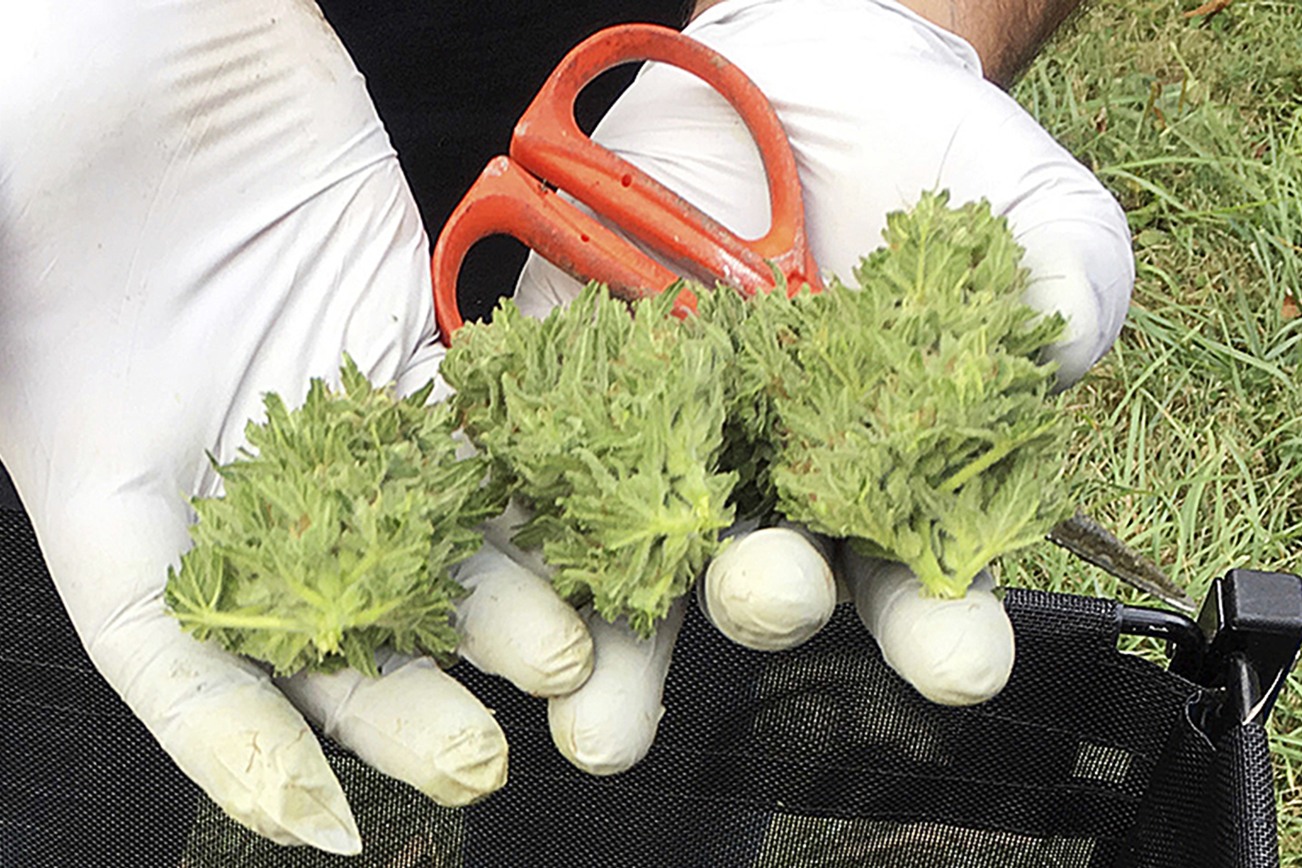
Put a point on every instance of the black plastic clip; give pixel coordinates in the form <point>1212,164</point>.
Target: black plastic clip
<point>1253,624</point>
<point>1185,641</point>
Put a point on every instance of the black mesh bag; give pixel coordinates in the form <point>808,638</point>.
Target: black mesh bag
<point>815,757</point>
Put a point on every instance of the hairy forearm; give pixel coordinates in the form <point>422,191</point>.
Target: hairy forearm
<point>1005,33</point>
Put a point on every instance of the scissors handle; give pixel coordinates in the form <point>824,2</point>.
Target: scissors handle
<point>511,197</point>
<point>548,143</point>
<point>507,200</point>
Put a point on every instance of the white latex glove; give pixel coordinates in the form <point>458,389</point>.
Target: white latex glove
<point>879,106</point>
<point>955,652</point>
<point>771,588</point>
<point>609,723</point>
<point>198,204</point>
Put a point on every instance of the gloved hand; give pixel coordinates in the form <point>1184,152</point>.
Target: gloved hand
<point>879,106</point>
<point>198,205</point>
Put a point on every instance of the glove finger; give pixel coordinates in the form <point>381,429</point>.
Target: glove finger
<point>954,652</point>
<point>228,728</point>
<point>609,723</point>
<point>769,589</point>
<point>513,624</point>
<point>415,723</point>
<point>1081,267</point>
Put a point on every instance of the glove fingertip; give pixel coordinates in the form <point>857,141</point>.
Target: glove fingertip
<point>514,625</point>
<point>609,724</point>
<point>969,669</point>
<point>600,740</point>
<point>769,590</point>
<point>953,652</point>
<point>416,723</point>
<point>266,771</point>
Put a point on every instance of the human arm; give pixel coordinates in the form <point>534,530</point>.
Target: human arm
<point>1006,34</point>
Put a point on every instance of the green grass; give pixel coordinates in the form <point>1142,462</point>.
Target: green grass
<point>1190,437</point>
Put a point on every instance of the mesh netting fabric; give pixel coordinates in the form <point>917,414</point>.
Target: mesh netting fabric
<point>82,783</point>
<point>8,496</point>
<point>815,757</point>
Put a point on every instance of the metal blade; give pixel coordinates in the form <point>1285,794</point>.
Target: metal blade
<point>1091,542</point>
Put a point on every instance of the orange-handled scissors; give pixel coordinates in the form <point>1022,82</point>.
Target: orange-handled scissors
<point>517,195</point>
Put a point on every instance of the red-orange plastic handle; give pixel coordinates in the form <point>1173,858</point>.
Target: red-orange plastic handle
<point>548,143</point>
<point>507,200</point>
